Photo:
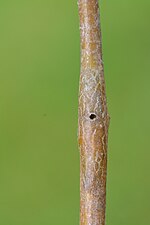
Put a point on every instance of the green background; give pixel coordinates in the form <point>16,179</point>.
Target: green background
<point>39,75</point>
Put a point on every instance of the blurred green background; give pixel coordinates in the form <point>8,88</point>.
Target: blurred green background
<point>39,75</point>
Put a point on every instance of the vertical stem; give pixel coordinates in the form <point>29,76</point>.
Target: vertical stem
<point>93,118</point>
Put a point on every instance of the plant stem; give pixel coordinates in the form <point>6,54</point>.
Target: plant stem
<point>93,118</point>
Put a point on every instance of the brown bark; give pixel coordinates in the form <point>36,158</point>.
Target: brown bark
<point>93,118</point>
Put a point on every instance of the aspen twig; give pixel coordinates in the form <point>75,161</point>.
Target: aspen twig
<point>93,118</point>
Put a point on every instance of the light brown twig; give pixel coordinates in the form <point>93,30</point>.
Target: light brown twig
<point>93,118</point>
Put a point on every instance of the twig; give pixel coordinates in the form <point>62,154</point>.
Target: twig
<point>93,118</point>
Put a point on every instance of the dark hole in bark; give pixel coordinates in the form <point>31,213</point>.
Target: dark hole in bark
<point>92,116</point>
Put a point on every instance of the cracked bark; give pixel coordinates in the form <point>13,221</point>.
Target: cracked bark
<point>93,118</point>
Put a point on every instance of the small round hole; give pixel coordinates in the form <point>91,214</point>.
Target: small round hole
<point>92,116</point>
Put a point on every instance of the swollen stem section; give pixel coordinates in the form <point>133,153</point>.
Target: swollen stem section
<point>93,118</point>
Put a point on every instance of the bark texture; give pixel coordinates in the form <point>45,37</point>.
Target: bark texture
<point>93,118</point>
